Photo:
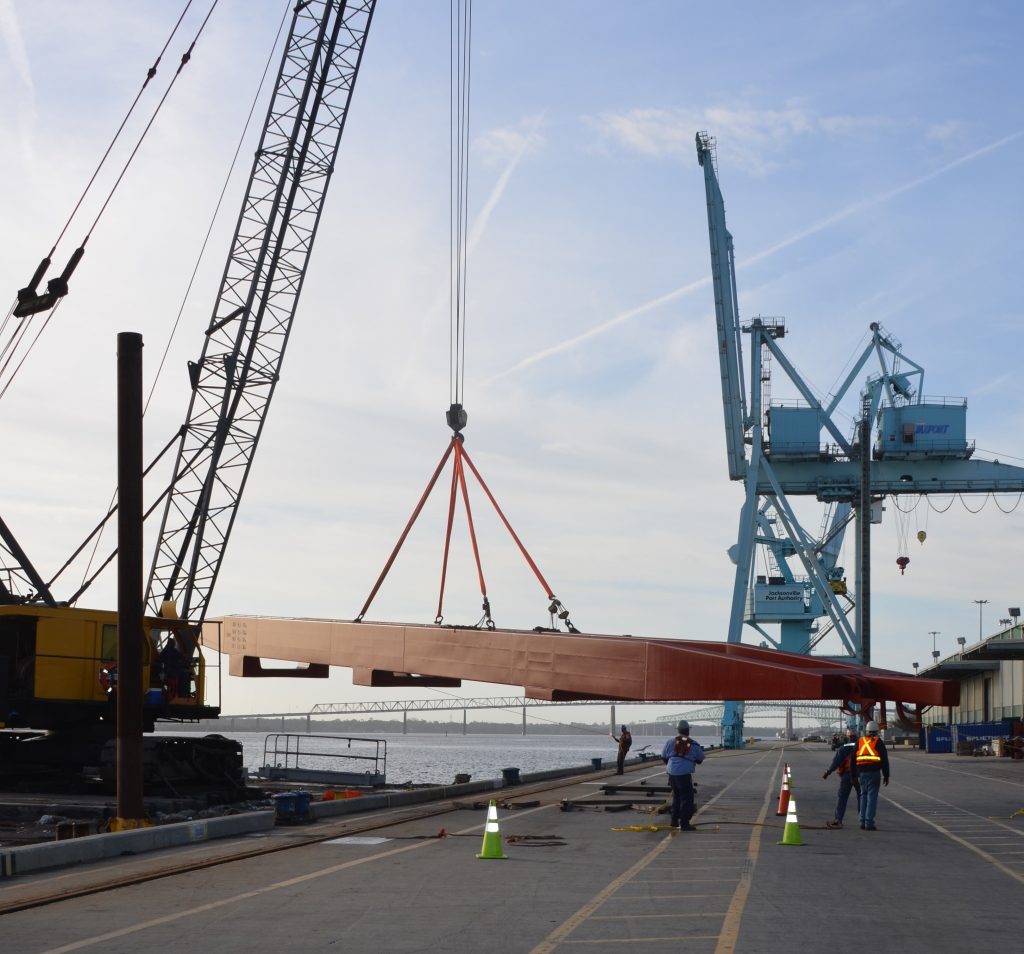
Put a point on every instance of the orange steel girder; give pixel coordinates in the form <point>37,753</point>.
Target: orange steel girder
<point>560,666</point>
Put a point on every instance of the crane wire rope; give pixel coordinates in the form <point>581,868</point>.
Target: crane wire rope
<point>150,73</point>
<point>18,336</point>
<point>460,76</point>
<point>112,506</point>
<point>461,35</point>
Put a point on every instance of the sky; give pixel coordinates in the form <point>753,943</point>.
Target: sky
<point>869,155</point>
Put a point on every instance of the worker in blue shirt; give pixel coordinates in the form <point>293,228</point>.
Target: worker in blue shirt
<point>841,764</point>
<point>682,755</point>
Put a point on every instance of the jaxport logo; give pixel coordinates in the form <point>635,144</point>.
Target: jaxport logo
<point>776,594</point>
<point>932,429</point>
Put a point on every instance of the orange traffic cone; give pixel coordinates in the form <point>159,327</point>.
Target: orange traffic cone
<point>791,834</point>
<point>783,794</point>
<point>492,838</point>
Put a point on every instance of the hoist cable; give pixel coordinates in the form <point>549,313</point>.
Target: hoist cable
<point>216,210</point>
<point>111,510</point>
<point>1014,507</point>
<point>460,25</point>
<point>984,500</point>
<point>22,330</point>
<point>185,58</point>
<point>28,351</point>
<point>150,73</point>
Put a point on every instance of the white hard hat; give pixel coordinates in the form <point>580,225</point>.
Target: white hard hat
<point>871,727</point>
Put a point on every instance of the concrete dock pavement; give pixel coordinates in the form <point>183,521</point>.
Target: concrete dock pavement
<point>944,872</point>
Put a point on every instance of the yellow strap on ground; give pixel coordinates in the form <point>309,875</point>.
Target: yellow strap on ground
<point>645,828</point>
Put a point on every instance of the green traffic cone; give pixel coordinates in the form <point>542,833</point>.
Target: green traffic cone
<point>791,833</point>
<point>492,838</point>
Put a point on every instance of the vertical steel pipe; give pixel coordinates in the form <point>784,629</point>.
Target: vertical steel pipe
<point>130,632</point>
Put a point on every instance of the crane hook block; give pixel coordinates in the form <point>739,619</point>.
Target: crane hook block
<point>456,417</point>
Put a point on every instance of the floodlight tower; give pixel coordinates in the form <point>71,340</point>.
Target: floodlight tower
<point>902,443</point>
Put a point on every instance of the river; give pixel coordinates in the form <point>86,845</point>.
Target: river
<point>437,759</point>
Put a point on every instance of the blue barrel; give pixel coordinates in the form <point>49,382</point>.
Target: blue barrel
<point>597,763</point>
<point>284,806</point>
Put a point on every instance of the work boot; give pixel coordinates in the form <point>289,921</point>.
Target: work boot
<point>835,823</point>
<point>687,827</point>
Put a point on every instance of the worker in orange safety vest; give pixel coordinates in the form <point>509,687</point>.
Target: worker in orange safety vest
<point>869,769</point>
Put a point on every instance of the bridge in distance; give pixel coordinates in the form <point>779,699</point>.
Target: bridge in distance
<point>822,713</point>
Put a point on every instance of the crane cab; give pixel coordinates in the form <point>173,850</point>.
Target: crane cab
<point>58,668</point>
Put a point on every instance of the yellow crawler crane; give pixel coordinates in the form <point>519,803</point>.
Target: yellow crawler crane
<point>58,674</point>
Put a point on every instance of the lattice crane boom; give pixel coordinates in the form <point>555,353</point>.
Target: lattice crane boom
<point>234,379</point>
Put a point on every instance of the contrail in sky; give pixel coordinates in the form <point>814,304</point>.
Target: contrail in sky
<point>814,229</point>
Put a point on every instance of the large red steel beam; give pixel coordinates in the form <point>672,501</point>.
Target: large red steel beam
<point>561,666</point>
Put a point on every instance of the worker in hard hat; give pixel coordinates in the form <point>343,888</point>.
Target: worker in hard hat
<point>625,741</point>
<point>841,766</point>
<point>682,755</point>
<point>870,769</point>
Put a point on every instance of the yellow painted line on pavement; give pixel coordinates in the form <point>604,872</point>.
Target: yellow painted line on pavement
<point>560,935</point>
<point>730,932</point>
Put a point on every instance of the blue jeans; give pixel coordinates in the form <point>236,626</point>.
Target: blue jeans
<point>845,787</point>
<point>682,798</point>
<point>870,782</point>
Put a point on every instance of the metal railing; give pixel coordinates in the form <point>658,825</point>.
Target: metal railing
<point>326,759</point>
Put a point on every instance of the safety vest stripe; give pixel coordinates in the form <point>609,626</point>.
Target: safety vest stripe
<point>867,753</point>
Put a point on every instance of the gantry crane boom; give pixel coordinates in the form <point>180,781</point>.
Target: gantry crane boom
<point>723,274</point>
<point>234,379</point>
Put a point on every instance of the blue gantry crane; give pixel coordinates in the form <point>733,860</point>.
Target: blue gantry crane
<point>902,443</point>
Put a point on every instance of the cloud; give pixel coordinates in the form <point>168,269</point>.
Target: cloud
<point>510,144</point>
<point>11,34</point>
<point>946,131</point>
<point>752,134</point>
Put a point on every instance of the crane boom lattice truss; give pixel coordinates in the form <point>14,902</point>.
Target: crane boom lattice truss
<point>234,379</point>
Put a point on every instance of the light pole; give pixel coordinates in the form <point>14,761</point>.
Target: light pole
<point>961,641</point>
<point>933,633</point>
<point>915,668</point>
<point>981,604</point>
